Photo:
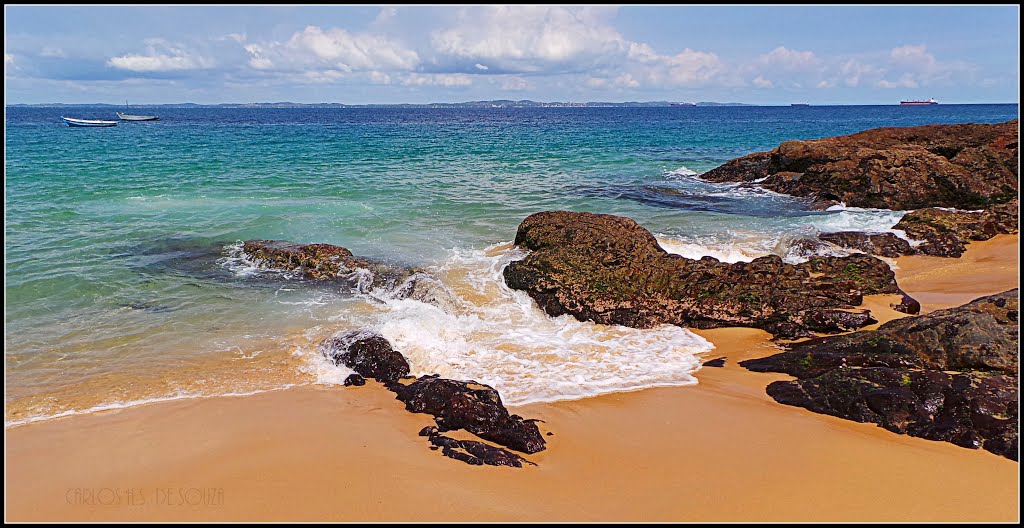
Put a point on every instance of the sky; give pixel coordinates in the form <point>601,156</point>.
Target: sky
<point>422,54</point>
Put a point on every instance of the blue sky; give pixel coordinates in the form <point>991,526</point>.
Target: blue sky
<point>419,54</point>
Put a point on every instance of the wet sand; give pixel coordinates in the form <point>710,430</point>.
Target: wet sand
<point>718,451</point>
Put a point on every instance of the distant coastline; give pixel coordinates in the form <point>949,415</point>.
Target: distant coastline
<point>498,103</point>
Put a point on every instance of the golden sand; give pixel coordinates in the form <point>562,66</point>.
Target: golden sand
<point>718,451</point>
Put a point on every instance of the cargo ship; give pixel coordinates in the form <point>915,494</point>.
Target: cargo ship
<point>919,103</point>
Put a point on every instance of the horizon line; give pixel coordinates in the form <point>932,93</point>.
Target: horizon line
<point>483,101</point>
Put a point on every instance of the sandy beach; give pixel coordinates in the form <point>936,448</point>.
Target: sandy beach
<point>721,450</point>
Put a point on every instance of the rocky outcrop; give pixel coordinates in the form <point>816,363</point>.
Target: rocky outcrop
<point>472,406</point>
<point>950,375</point>
<point>610,270</point>
<point>946,232</point>
<point>966,166</point>
<point>367,353</point>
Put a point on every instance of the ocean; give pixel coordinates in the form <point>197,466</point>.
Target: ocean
<point>124,283</point>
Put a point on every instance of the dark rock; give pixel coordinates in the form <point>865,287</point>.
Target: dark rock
<point>907,305</point>
<point>471,406</point>
<point>967,166</point>
<point>717,362</point>
<point>950,375</point>
<point>946,233</point>
<point>367,353</point>
<point>354,379</point>
<point>610,270</point>
<point>477,453</point>
<point>549,433</point>
<point>429,430</point>
<point>884,244</point>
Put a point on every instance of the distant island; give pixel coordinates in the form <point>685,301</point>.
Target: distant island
<point>499,103</point>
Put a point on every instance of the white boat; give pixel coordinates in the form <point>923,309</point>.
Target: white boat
<point>88,122</point>
<point>133,117</point>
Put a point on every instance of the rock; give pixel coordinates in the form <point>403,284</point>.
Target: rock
<point>950,375</point>
<point>367,353</point>
<point>471,406</point>
<point>717,362</point>
<point>477,453</point>
<point>326,261</point>
<point>907,305</point>
<point>946,233</point>
<point>966,166</point>
<point>429,430</point>
<point>884,244</point>
<point>610,270</point>
<point>354,379</point>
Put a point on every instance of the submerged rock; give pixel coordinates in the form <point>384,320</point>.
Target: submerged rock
<point>967,166</point>
<point>367,353</point>
<point>945,233</point>
<point>610,270</point>
<point>472,406</point>
<point>330,262</point>
<point>326,261</point>
<point>950,375</point>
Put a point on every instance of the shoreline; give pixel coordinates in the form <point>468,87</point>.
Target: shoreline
<point>721,450</point>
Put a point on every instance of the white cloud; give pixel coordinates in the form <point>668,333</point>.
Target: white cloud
<point>160,56</point>
<point>480,67</point>
<point>854,72</point>
<point>333,48</point>
<point>761,82</point>
<point>686,68</point>
<point>905,81</point>
<point>53,52</point>
<point>531,38</point>
<point>8,59</point>
<point>515,84</point>
<point>790,60</point>
<point>436,79</point>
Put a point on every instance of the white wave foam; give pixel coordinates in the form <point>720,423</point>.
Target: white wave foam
<point>682,171</point>
<point>731,252</point>
<point>501,338</point>
<point>135,403</point>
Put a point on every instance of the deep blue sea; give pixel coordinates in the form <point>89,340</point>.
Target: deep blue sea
<point>124,283</point>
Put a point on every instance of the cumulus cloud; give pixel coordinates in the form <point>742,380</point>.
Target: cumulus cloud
<point>160,56</point>
<point>333,48</point>
<point>791,60</point>
<point>761,82</point>
<point>531,38</point>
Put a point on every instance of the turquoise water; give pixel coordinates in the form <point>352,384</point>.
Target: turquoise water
<point>121,286</point>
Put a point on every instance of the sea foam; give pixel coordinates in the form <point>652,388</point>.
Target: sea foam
<point>503,339</point>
